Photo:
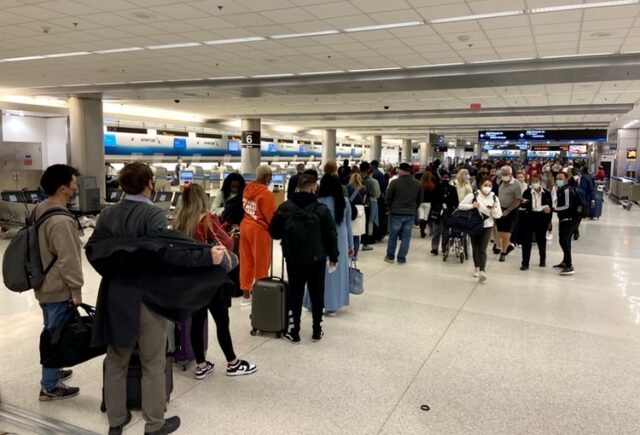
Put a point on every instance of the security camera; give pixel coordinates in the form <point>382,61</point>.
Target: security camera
<point>386,107</point>
<point>176,101</point>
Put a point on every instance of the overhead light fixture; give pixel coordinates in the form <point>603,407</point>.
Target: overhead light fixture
<point>109,83</point>
<point>178,45</point>
<point>560,56</point>
<point>268,76</point>
<point>235,40</point>
<point>139,82</point>
<point>476,17</point>
<point>435,65</point>
<point>313,73</point>
<point>77,53</point>
<point>391,68</point>
<point>384,26</point>
<point>77,85</point>
<point>184,80</point>
<point>304,35</point>
<point>119,50</point>
<point>25,58</point>
<point>583,6</point>
<point>227,78</point>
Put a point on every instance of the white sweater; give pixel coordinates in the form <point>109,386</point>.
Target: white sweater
<point>485,202</point>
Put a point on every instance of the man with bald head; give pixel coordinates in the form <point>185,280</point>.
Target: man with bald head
<point>510,194</point>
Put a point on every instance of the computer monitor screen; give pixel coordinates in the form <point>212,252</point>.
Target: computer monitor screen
<point>278,179</point>
<point>303,149</point>
<point>186,176</point>
<point>13,198</point>
<point>35,197</point>
<point>164,196</point>
<point>272,148</point>
<point>234,146</point>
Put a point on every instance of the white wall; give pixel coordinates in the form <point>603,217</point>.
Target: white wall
<point>56,147</point>
<point>51,133</point>
<point>627,139</point>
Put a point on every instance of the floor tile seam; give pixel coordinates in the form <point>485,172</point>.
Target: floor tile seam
<point>423,365</point>
<point>564,328</point>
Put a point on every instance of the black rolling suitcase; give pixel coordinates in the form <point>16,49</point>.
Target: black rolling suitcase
<point>269,304</point>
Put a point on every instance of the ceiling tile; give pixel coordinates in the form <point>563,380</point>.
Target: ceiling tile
<point>333,10</point>
<point>293,15</point>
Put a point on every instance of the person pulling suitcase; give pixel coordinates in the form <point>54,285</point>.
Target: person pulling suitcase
<point>309,236</point>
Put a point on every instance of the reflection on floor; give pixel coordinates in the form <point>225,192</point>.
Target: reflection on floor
<point>526,352</point>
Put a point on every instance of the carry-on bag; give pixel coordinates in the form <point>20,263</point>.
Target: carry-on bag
<point>596,210</point>
<point>69,343</point>
<point>269,304</point>
<point>134,382</point>
<point>356,279</point>
<point>183,354</point>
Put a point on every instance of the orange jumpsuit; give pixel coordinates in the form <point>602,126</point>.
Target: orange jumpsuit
<point>255,241</point>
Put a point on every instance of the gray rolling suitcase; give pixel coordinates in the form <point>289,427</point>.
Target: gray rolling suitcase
<point>269,304</point>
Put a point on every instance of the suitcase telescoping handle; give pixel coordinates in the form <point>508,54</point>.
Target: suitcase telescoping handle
<point>272,274</point>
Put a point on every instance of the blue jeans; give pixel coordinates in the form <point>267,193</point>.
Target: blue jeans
<point>399,226</point>
<point>54,314</point>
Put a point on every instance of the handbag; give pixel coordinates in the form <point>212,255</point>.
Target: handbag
<point>356,279</point>
<point>69,343</point>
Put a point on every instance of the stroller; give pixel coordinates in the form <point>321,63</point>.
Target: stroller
<point>456,245</point>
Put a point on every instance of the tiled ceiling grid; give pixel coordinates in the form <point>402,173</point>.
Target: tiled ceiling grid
<point>128,23</point>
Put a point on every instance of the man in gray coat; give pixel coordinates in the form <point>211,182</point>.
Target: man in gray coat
<point>403,197</point>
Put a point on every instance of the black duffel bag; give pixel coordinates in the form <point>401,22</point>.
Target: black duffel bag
<point>69,343</point>
<point>467,221</point>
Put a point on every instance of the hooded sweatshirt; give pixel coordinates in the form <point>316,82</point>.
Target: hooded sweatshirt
<point>259,206</point>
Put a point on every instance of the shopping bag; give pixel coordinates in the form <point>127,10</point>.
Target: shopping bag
<point>69,343</point>
<point>356,279</point>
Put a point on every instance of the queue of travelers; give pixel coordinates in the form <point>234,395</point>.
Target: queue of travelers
<point>142,261</point>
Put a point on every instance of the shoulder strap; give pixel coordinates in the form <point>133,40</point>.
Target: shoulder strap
<point>354,194</point>
<point>50,213</point>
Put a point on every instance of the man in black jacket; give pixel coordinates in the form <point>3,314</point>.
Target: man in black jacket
<point>445,201</point>
<point>309,236</point>
<point>293,181</point>
<point>128,311</point>
<point>567,209</point>
<point>534,217</point>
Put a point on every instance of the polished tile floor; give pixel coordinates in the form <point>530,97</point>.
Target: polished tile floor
<point>525,352</point>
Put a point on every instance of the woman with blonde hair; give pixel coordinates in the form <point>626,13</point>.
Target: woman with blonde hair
<point>357,195</point>
<point>463,184</point>
<point>194,220</point>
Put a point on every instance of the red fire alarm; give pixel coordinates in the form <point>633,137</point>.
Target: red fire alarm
<point>475,107</point>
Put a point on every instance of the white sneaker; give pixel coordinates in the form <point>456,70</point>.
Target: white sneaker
<point>549,236</point>
<point>476,272</point>
<point>483,276</point>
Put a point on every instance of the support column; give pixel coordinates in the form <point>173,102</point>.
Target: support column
<point>477,150</point>
<point>86,134</point>
<point>250,153</point>
<point>426,152</point>
<point>328,146</point>
<point>376,148</point>
<point>407,150</point>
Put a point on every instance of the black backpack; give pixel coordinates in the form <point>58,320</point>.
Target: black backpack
<point>303,235</point>
<point>21,265</point>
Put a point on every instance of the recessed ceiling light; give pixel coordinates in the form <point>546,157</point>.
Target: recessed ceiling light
<point>145,81</point>
<point>119,50</point>
<point>477,17</point>
<point>266,76</point>
<point>25,58</point>
<point>178,45</point>
<point>391,68</point>
<point>304,35</point>
<point>77,53</point>
<point>235,40</point>
<point>384,26</point>
<point>560,56</point>
<point>313,73</point>
<point>227,78</point>
<point>583,6</point>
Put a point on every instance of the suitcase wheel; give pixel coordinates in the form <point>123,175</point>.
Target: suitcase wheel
<point>278,334</point>
<point>103,407</point>
<point>254,332</point>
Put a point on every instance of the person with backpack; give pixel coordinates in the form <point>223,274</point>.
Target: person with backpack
<point>344,172</point>
<point>586,191</point>
<point>61,250</point>
<point>336,287</point>
<point>487,203</point>
<point>194,221</point>
<point>309,236</point>
<point>568,204</point>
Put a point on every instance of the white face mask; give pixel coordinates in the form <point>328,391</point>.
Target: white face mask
<point>506,178</point>
<point>486,190</point>
<point>535,186</point>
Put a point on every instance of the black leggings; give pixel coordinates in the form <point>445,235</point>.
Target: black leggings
<point>312,276</point>
<point>220,313</point>
<point>479,245</point>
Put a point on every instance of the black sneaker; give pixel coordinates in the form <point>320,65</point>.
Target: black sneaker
<point>59,392</point>
<point>503,258</point>
<point>241,368</point>
<point>543,264</point>
<point>317,336</point>
<point>434,252</point>
<point>65,375</point>
<point>202,372</point>
<point>576,236</point>
<point>118,429</point>
<point>560,266</point>
<point>524,267</point>
<point>170,426</point>
<point>496,250</point>
<point>510,248</point>
<point>567,271</point>
<point>293,337</point>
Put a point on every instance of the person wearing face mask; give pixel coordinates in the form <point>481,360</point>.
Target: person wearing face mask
<point>522,180</point>
<point>489,207</point>
<point>463,184</point>
<point>428,182</point>
<point>255,242</point>
<point>445,201</point>
<point>60,246</point>
<point>567,210</point>
<point>535,215</point>
<point>232,186</point>
<point>510,194</point>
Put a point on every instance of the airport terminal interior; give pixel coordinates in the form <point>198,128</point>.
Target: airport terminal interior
<point>201,89</point>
